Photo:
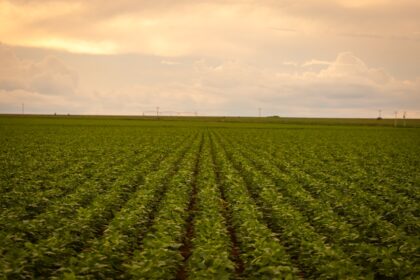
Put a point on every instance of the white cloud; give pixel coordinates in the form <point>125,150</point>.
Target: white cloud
<point>345,86</point>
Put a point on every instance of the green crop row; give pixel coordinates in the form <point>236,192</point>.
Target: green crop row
<point>383,199</point>
<point>261,252</point>
<point>159,256</point>
<point>211,245</point>
<point>106,255</point>
<point>60,208</point>
<point>334,227</point>
<point>369,240</point>
<point>301,239</point>
<point>71,234</point>
<point>152,199</point>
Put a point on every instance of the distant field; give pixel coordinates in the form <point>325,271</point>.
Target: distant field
<point>208,198</point>
<point>226,120</point>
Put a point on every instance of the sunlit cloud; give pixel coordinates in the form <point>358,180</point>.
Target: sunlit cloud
<point>316,62</point>
<point>310,57</point>
<point>74,45</point>
<point>193,27</point>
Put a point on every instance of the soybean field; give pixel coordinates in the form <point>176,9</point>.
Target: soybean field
<point>209,198</point>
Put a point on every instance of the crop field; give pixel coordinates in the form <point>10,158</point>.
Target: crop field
<point>121,198</point>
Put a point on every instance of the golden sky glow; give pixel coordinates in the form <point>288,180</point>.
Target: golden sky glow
<point>290,46</point>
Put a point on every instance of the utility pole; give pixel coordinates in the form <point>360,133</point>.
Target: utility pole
<point>380,114</point>
<point>395,120</point>
<point>23,108</point>
<point>404,118</point>
<point>259,112</point>
<point>157,112</point>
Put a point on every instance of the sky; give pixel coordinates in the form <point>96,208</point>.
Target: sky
<point>291,58</point>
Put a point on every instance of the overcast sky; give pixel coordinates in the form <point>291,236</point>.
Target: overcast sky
<point>337,58</point>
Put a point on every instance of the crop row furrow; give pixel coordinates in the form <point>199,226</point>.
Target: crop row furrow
<point>336,230</point>
<point>210,253</point>
<point>352,170</point>
<point>370,224</point>
<point>317,257</point>
<point>372,171</point>
<point>61,211</point>
<point>70,236</point>
<point>41,204</point>
<point>52,161</point>
<point>378,197</point>
<point>159,256</point>
<point>262,254</point>
<point>398,211</point>
<point>104,257</point>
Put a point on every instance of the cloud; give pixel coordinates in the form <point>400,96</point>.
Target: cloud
<point>186,27</point>
<point>347,83</point>
<point>44,85</point>
<point>217,56</point>
<point>49,76</point>
<point>351,68</point>
<point>345,86</point>
<point>315,62</point>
